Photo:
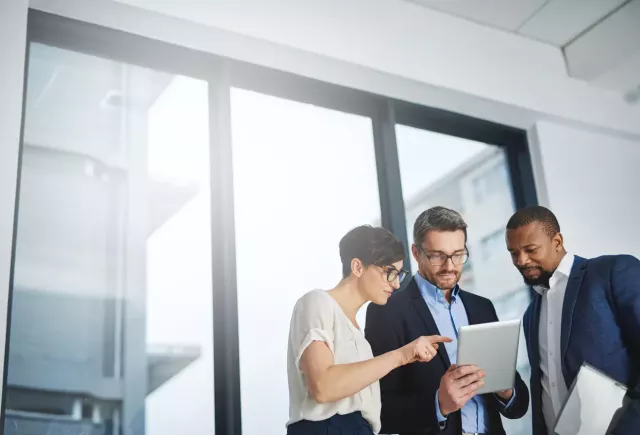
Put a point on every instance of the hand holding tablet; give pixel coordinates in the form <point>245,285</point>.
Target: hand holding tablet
<point>457,386</point>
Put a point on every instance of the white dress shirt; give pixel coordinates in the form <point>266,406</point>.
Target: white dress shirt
<point>319,317</point>
<point>554,388</point>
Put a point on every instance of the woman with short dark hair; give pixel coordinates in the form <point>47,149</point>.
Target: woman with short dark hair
<point>333,376</point>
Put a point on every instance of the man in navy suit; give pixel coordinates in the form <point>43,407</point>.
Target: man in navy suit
<point>582,311</point>
<point>438,397</point>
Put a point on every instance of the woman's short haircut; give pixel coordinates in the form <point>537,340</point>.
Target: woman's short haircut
<point>372,246</point>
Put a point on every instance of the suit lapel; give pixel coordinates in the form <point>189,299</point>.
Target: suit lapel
<point>569,304</point>
<point>474,316</point>
<point>427,318</point>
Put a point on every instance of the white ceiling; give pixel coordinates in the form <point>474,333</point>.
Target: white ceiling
<point>557,22</point>
<point>600,39</point>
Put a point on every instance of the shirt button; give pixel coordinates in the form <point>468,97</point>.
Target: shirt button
<point>553,384</point>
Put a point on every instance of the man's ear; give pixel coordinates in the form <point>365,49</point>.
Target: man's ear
<point>558,241</point>
<point>415,252</point>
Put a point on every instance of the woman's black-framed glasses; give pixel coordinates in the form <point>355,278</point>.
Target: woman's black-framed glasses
<point>440,258</point>
<point>393,273</point>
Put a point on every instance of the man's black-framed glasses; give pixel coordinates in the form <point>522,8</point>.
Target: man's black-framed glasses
<point>393,273</point>
<point>440,258</point>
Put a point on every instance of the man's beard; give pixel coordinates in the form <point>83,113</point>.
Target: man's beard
<point>449,287</point>
<point>540,280</point>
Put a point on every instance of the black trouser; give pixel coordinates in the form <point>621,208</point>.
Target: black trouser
<point>350,424</point>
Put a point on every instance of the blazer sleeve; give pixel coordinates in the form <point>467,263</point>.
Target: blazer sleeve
<point>625,289</point>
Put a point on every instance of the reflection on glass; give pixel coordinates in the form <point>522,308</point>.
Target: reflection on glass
<point>471,178</point>
<point>111,325</point>
<point>304,176</point>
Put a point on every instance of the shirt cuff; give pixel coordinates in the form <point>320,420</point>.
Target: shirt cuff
<point>439,415</point>
<point>508,405</point>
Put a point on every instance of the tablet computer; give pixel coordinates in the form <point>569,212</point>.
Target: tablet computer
<point>593,405</point>
<point>492,347</point>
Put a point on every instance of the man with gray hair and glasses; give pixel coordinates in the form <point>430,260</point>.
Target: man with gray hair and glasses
<point>438,398</point>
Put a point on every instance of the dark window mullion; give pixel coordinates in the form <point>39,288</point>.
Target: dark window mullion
<point>389,180</point>
<point>226,365</point>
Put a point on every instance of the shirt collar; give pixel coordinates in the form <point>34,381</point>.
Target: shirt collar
<point>433,294</point>
<point>562,271</point>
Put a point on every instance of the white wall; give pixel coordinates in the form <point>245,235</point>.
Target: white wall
<point>13,33</point>
<point>591,181</point>
<point>390,47</point>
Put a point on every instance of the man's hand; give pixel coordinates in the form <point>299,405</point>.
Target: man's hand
<point>505,395</point>
<point>458,386</point>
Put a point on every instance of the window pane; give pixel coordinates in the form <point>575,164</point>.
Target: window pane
<point>471,178</point>
<point>304,176</point>
<point>111,329</point>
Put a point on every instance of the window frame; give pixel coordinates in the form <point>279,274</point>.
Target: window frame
<point>222,74</point>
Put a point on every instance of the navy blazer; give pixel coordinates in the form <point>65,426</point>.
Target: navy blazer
<point>600,326</point>
<point>408,393</point>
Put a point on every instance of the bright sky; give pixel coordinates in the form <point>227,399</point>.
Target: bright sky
<point>179,300</point>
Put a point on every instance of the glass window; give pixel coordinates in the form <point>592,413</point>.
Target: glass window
<point>472,178</point>
<point>111,319</point>
<point>493,244</point>
<point>490,181</point>
<point>303,177</point>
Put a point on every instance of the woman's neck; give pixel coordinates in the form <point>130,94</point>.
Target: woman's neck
<point>348,296</point>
